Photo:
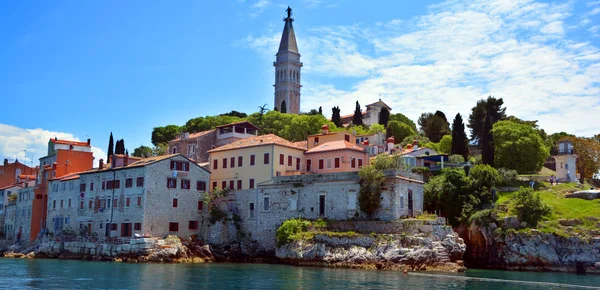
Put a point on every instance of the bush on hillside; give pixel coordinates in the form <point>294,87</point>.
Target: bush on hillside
<point>288,229</point>
<point>529,206</point>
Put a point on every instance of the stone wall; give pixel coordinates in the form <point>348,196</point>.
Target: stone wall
<point>136,246</point>
<point>408,226</point>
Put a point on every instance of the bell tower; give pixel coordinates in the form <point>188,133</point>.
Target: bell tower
<point>287,70</point>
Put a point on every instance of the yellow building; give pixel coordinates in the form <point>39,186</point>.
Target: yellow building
<point>246,162</point>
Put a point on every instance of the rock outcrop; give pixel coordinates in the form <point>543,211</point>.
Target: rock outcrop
<point>585,194</point>
<point>438,252</point>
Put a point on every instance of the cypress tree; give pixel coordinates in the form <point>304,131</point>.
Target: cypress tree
<point>460,144</point>
<point>111,147</point>
<point>335,116</point>
<point>357,119</point>
<point>320,110</point>
<point>384,116</point>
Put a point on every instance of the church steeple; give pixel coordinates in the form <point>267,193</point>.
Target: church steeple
<point>287,70</point>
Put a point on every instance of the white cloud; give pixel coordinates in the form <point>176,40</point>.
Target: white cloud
<point>459,52</point>
<point>14,140</point>
<point>258,7</point>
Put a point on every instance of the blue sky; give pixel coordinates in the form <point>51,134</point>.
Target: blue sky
<point>81,69</point>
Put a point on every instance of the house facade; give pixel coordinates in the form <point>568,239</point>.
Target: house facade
<point>335,156</point>
<point>565,161</point>
<point>370,116</point>
<point>156,196</point>
<point>63,203</point>
<point>245,163</point>
<point>9,172</point>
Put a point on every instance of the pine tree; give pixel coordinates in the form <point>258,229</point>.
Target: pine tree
<point>111,147</point>
<point>335,116</point>
<point>460,144</point>
<point>384,116</point>
<point>357,119</point>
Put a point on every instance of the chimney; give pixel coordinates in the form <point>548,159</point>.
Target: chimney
<point>113,162</point>
<point>88,141</point>
<point>54,166</point>
<point>101,163</point>
<point>390,144</point>
<point>325,129</point>
<point>126,160</point>
<point>415,145</point>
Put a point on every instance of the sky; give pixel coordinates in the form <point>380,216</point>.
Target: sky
<point>84,69</point>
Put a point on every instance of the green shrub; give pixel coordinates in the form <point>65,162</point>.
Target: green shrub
<point>420,169</point>
<point>319,223</point>
<point>482,217</point>
<point>507,176</point>
<point>216,214</point>
<point>529,207</point>
<point>455,158</point>
<point>290,228</point>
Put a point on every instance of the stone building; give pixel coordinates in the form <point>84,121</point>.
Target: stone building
<point>370,116</point>
<point>23,212</point>
<point>22,189</point>
<point>159,196</point>
<point>63,203</point>
<point>196,145</point>
<point>330,196</point>
<point>287,70</point>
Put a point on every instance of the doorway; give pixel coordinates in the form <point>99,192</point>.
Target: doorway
<point>321,205</point>
<point>125,230</point>
<point>410,202</point>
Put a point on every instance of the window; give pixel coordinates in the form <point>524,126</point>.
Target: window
<point>251,182</point>
<point>352,162</point>
<point>61,203</point>
<point>113,227</point>
<point>223,184</point>
<point>174,202</point>
<point>139,201</point>
<point>82,187</point>
<point>193,225</point>
<point>321,163</point>
<point>81,205</point>
<point>281,157</point>
<point>336,162</point>
<point>115,202</point>
<point>290,160</point>
<point>252,157</point>
<point>67,220</point>
<point>201,186</point>
<point>137,226</point>
<point>171,183</point>
<point>215,164</point>
<point>173,227</point>
<point>265,203</point>
<point>117,183</point>
<point>54,204</point>
<point>103,185</point>
<point>224,163</point>
<point>214,185</point>
<point>232,162</point>
<point>172,166</point>
<point>139,181</point>
<point>200,205</point>
<point>109,184</point>
<point>240,161</point>
<point>402,202</point>
<point>231,184</point>
<point>90,204</point>
<point>185,184</point>
<point>185,166</point>
<point>174,151</point>
<point>298,164</point>
<point>91,186</point>
<point>69,203</point>
<point>316,140</point>
<point>360,163</point>
<point>266,158</point>
<point>308,164</point>
<point>129,182</point>
<point>328,163</point>
<point>239,184</point>
<point>127,202</point>
<point>347,138</point>
<point>251,208</point>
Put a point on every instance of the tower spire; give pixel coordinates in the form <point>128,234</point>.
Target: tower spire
<point>287,69</point>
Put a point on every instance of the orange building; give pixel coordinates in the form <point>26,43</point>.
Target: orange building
<point>10,171</point>
<point>63,157</point>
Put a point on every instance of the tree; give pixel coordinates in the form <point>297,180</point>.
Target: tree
<point>483,116</point>
<point>460,143</point>
<point>160,149</point>
<point>384,116</point>
<point>529,207</point>
<point>235,114</point>
<point>376,128</point>
<point>434,126</point>
<point>120,147</point>
<point>445,145</point>
<point>369,194</point>
<point>164,134</point>
<point>403,119</point>
<point>399,130</point>
<point>519,147</point>
<point>142,151</point>
<point>335,116</point>
<point>283,107</point>
<point>320,110</point>
<point>385,161</point>
<point>357,119</point>
<point>588,155</point>
<point>410,139</point>
<point>111,147</point>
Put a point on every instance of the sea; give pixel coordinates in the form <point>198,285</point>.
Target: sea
<point>64,274</point>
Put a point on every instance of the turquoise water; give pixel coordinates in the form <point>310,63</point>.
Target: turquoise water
<point>56,274</point>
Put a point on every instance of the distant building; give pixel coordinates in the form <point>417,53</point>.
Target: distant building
<point>15,216</point>
<point>9,172</point>
<point>370,116</point>
<point>565,161</point>
<point>196,145</point>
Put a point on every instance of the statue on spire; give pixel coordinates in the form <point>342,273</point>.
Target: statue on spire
<point>289,12</point>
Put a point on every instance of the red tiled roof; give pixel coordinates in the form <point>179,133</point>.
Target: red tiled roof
<point>67,142</point>
<point>239,123</point>
<point>261,140</point>
<point>301,144</point>
<point>25,176</point>
<point>335,145</point>
<point>194,135</point>
<point>409,179</point>
<point>9,186</point>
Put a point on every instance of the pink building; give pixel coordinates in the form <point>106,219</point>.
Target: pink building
<point>335,156</point>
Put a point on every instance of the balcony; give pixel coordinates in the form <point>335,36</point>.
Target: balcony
<point>557,152</point>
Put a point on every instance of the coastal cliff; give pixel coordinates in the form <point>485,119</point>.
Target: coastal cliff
<point>436,249</point>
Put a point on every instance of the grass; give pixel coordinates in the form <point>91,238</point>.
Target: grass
<point>562,208</point>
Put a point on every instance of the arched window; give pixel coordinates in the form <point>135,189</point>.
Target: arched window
<point>174,150</point>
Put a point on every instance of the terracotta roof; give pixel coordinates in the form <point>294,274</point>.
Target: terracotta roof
<point>335,145</point>
<point>66,142</point>
<point>260,140</point>
<point>239,123</point>
<point>409,179</point>
<point>128,156</point>
<point>193,135</point>
<point>25,176</point>
<point>141,162</point>
<point>9,186</point>
<point>350,115</point>
<point>301,144</point>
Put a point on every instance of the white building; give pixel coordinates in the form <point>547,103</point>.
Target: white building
<point>11,221</point>
<point>157,196</point>
<point>23,212</point>
<point>566,161</point>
